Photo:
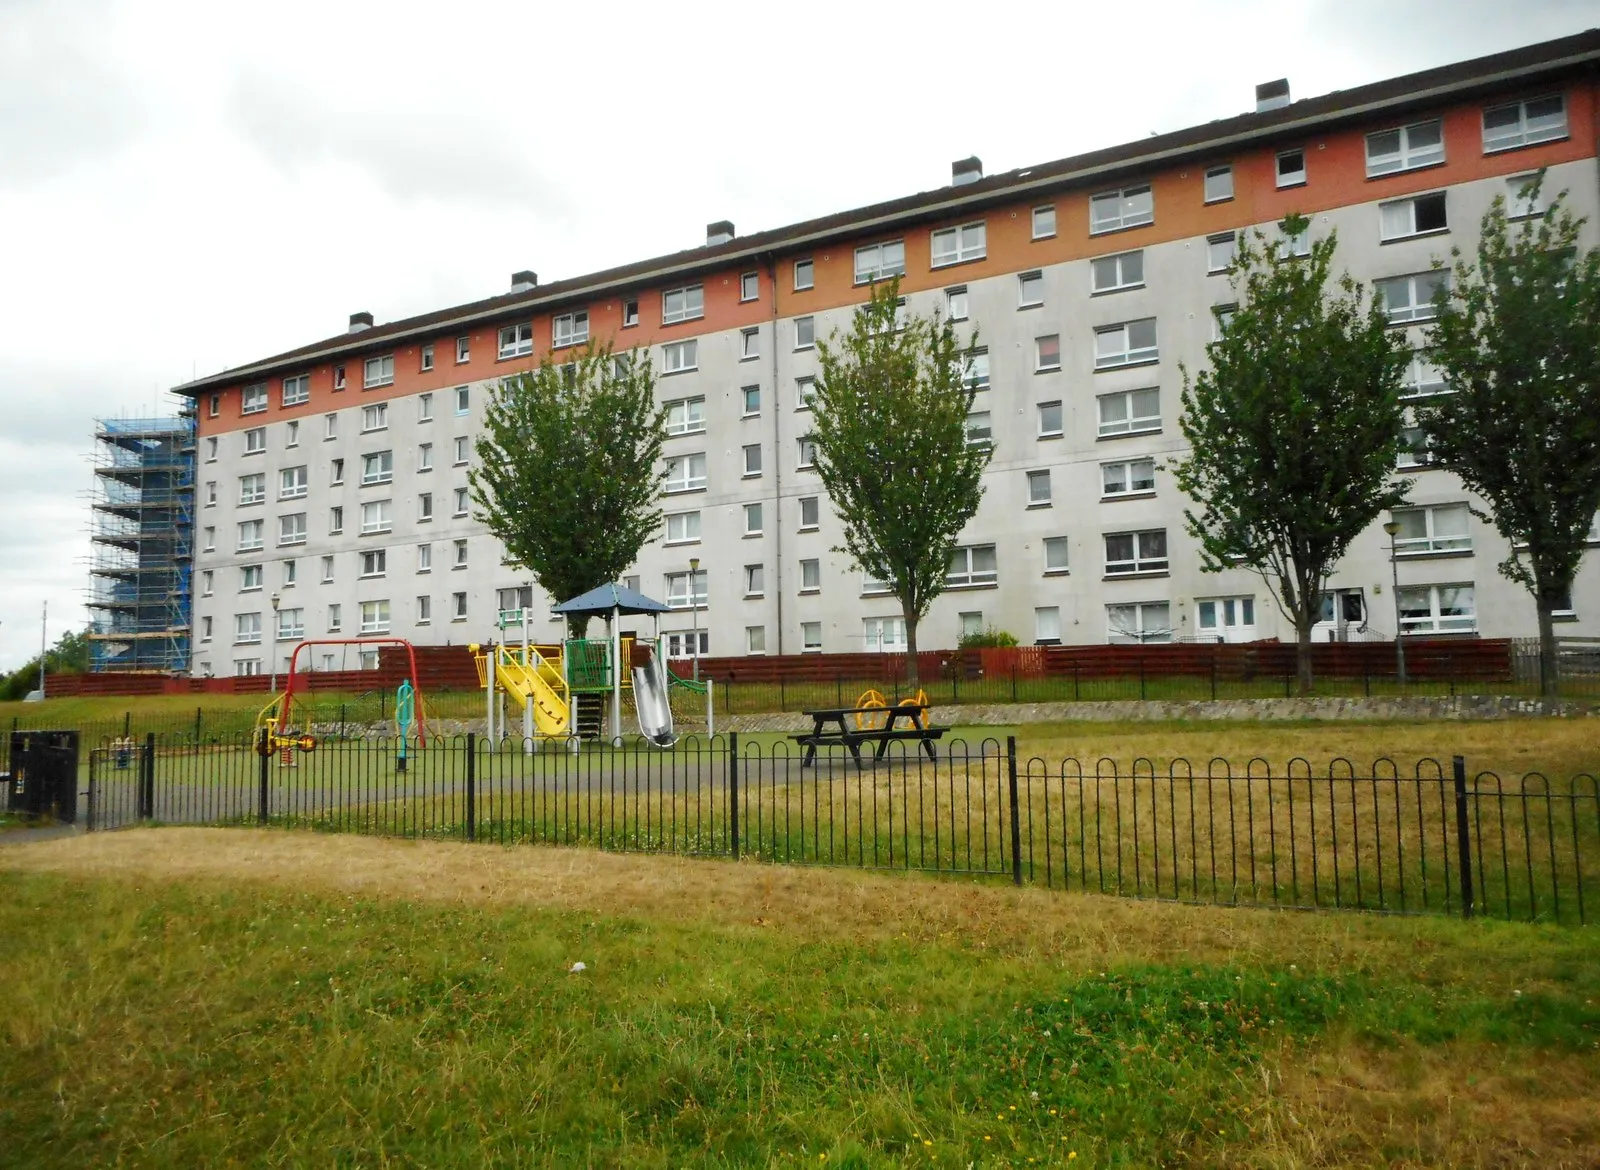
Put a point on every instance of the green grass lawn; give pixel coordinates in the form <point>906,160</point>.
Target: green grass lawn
<point>200,997</point>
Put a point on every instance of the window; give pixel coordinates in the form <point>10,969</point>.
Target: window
<point>755,580</point>
<point>752,460</point>
<point>205,629</point>
<point>810,512</point>
<point>1410,298</point>
<point>1405,148</point>
<point>752,401</point>
<point>458,554</point>
<point>424,558</point>
<point>1124,345</point>
<point>1422,378</point>
<point>1521,200</point>
<point>515,600</point>
<point>335,618</point>
<point>1114,210</point>
<point>1221,318</point>
<point>1442,528</point>
<point>424,408</point>
<point>686,473</point>
<point>375,417</point>
<point>955,301</point>
<point>424,457</point>
<point>458,607</point>
<point>255,440</point>
<point>296,390</point>
<point>335,521</point>
<point>214,406</point>
<point>810,575</point>
<point>375,517</point>
<point>378,371</point>
<point>424,507</point>
<point>755,639</point>
<point>292,483</point>
<point>211,494</point>
<point>1226,619</point>
<point>957,245</point>
<point>1047,353</point>
<point>678,590</point>
<point>1030,290</point>
<point>327,570</point>
<point>1113,273</point>
<point>251,534</point>
<point>1049,420</point>
<point>1128,478</point>
<point>752,520</point>
<point>1038,489</point>
<point>978,372</point>
<point>1415,450</point>
<point>252,488</point>
<point>253,399</point>
<point>686,416</point>
<point>209,542</point>
<point>1218,184</point>
<point>569,329</point>
<point>683,527</point>
<point>807,453</point>
<point>972,565</point>
<point>247,627</point>
<point>887,634</point>
<point>1136,552</point>
<point>1413,217</point>
<point>1146,621</point>
<point>378,467</point>
<point>1220,251</point>
<point>463,450</point>
<point>1524,123</point>
<point>678,356</point>
<point>682,304</point>
<point>516,340</point>
<point>1044,222</point>
<point>463,350</point>
<point>1291,168</point>
<point>211,449</point>
<point>687,643</point>
<point>427,357</point>
<point>1055,555</point>
<point>462,502</point>
<point>1047,625</point>
<point>291,572</point>
<point>207,582</point>
<point>880,261</point>
<point>805,332</point>
<point>804,275</point>
<point>980,428</point>
<point>871,585</point>
<point>250,577</point>
<point>463,400</point>
<point>810,637</point>
<point>375,617</point>
<point>338,378</point>
<point>630,314</point>
<point>330,427</point>
<point>749,286</point>
<point>1438,609</point>
<point>971,623</point>
<point>336,472</point>
<point>292,528</point>
<point>424,610</point>
<point>749,344</point>
<point>291,434</point>
<point>805,389</point>
<point>291,625</point>
<point>245,667</point>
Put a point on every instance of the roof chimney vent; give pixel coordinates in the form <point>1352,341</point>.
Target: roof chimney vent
<point>524,280</point>
<point>966,170</point>
<point>360,321</point>
<point>719,233</point>
<point>1272,95</point>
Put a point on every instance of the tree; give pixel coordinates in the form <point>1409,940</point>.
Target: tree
<point>1518,341</point>
<point>890,431</point>
<point>567,473</point>
<point>1295,427</point>
<point>70,655</point>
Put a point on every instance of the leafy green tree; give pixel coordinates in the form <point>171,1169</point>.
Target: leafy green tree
<point>1518,341</point>
<point>890,430</point>
<point>568,470</point>
<point>70,655</point>
<point>1295,427</point>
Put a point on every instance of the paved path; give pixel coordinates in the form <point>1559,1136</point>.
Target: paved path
<point>36,833</point>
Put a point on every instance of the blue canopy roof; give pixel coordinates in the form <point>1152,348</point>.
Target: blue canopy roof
<point>608,599</point>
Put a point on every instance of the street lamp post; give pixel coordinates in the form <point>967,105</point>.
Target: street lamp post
<point>694,602</point>
<point>272,643</point>
<point>1393,529</point>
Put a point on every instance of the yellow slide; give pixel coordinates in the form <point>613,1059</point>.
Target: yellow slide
<point>539,679</point>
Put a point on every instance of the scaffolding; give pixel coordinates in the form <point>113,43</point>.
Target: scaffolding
<point>143,537</point>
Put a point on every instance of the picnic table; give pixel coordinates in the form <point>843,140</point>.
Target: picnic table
<point>852,726</point>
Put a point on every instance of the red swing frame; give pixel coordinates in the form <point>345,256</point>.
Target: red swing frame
<point>411,658</point>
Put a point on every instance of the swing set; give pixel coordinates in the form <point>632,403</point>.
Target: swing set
<point>285,724</point>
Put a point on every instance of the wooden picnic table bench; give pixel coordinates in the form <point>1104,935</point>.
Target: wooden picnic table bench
<point>832,727</point>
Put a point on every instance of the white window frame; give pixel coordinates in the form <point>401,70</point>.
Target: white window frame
<point>805,453</point>
<point>679,357</point>
<point>1397,219</point>
<point>1405,156</point>
<point>1415,310</point>
<point>1117,267</point>
<point>972,566</point>
<point>463,349</point>
<point>255,441</point>
<point>1128,354</point>
<point>956,303</point>
<point>375,616</point>
<point>980,428</point>
<point>755,639</point>
<point>682,593</point>
<point>1057,552</point>
<point>377,516</point>
<point>374,417</point>
<point>1127,207</point>
<point>253,488</point>
<point>253,398</point>
<point>746,410</point>
<point>1039,488</point>
<point>377,467</point>
<point>1142,560</point>
<point>811,637</point>
<point>884,635</point>
<point>685,303</point>
<point>1030,290</point>
<point>1436,621</point>
<point>749,286</point>
<point>1223,618</point>
<point>1213,193</point>
<point>871,264</point>
<point>569,329</point>
<point>374,563</point>
<point>296,390</point>
<point>752,461</point>
<point>755,580</point>
<point>1044,222</point>
<point>461,502</point>
<point>682,528</point>
<point>247,628</point>
<point>1144,628</point>
<point>686,416</point>
<point>758,513</point>
<point>685,473</point>
<point>1220,252</point>
<point>1518,207</point>
<point>515,340</point>
<point>812,505</point>
<point>749,344</point>
<point>378,371</point>
<point>291,529</point>
<point>1523,135</point>
<point>961,244</point>
<point>1041,363</point>
<point>1047,625</point>
<point>805,333</point>
<point>249,543</point>
<point>1431,542</point>
<point>1046,431</point>
<point>426,355</point>
<point>805,274</point>
<point>1296,178</point>
<point>1129,470</point>
<point>810,574</point>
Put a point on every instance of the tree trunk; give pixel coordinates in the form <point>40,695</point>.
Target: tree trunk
<point>911,646</point>
<point>1549,663</point>
<point>1302,652</point>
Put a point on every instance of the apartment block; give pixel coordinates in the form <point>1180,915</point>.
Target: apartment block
<point>332,479</point>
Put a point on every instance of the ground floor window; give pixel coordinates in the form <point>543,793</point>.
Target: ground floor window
<point>1438,609</point>
<point>888,633</point>
<point>681,643</point>
<point>1226,619</point>
<point>1143,621</point>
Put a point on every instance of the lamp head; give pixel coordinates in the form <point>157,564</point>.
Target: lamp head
<point>275,600</point>
<point>694,564</point>
<point>1392,528</point>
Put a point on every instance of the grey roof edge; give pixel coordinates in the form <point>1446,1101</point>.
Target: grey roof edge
<point>610,597</point>
<point>1327,110</point>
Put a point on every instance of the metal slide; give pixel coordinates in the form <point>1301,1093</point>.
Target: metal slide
<point>540,680</point>
<point>650,702</point>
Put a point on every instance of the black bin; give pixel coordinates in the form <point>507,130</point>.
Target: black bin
<point>44,775</point>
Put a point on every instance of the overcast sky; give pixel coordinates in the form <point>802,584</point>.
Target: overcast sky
<point>184,187</point>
